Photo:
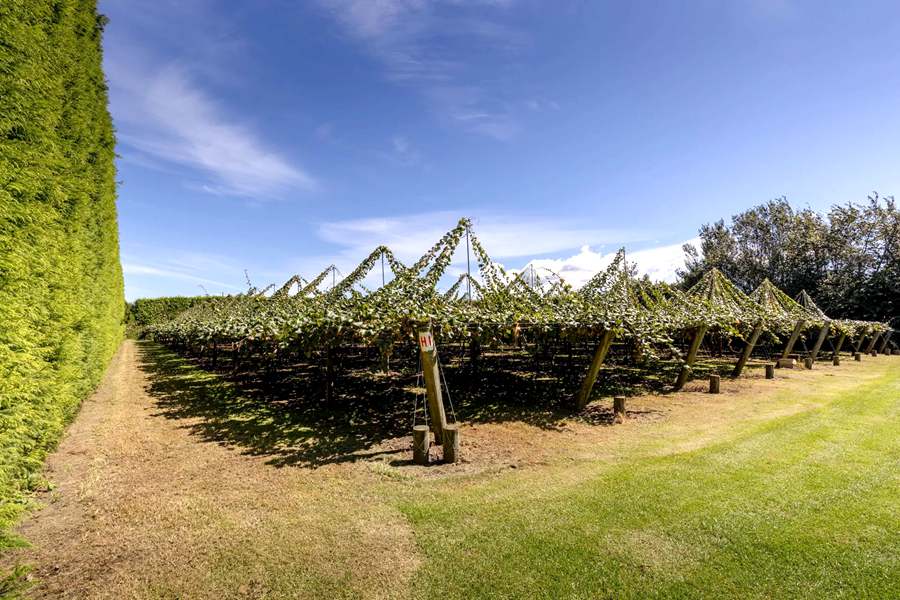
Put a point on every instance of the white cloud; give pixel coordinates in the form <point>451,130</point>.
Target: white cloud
<point>660,263</point>
<point>505,238</point>
<point>408,38</point>
<point>502,236</point>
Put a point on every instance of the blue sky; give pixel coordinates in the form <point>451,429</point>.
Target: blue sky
<point>279,136</point>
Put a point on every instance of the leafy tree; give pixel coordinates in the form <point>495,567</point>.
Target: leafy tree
<point>849,260</point>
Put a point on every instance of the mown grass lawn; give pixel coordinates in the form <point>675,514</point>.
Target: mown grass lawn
<point>802,505</point>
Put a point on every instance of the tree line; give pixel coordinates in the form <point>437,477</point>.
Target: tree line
<point>847,259</point>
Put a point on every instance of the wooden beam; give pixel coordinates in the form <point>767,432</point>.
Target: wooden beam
<point>685,373</point>
<point>428,353</point>
<point>884,343</point>
<point>587,386</point>
<point>871,345</point>
<point>837,347</point>
<point>820,340</point>
<point>748,350</point>
<point>859,343</point>
<point>798,329</point>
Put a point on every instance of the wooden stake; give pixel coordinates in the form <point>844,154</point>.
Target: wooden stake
<point>714,383</point>
<point>822,334</point>
<point>420,444</point>
<point>857,356</point>
<point>428,352</point>
<point>836,360</point>
<point>692,355</point>
<point>808,362</point>
<point>798,329</point>
<point>619,409</point>
<point>587,386</point>
<point>748,350</point>
<point>451,443</point>
<point>770,371</point>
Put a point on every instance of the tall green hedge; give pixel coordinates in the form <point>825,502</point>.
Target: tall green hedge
<point>61,301</point>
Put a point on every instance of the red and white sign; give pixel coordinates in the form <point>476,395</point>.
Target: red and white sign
<point>426,341</point>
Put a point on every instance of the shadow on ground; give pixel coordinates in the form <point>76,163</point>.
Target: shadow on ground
<point>282,412</point>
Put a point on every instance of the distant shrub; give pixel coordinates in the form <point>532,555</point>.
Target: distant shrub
<point>150,311</point>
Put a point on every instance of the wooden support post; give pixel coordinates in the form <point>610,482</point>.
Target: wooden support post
<point>714,384</point>
<point>748,350</point>
<point>836,360</point>
<point>587,386</point>
<point>871,345</point>
<point>837,348</point>
<point>859,344</point>
<point>385,350</point>
<point>685,373</point>
<point>451,443</point>
<point>884,343</point>
<point>857,356</point>
<point>428,353</point>
<point>808,362</point>
<point>619,409</point>
<point>874,353</point>
<point>770,371</point>
<point>823,333</point>
<point>420,444</point>
<point>798,329</point>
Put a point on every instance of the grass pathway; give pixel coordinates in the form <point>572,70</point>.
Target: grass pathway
<point>772,489</point>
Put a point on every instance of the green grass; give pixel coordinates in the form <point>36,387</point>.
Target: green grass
<point>806,505</point>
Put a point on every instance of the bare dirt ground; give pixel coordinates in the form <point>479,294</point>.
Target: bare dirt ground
<point>142,509</point>
<point>145,507</point>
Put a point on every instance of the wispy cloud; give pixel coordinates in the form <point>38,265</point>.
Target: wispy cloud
<point>178,272</point>
<point>166,115</point>
<point>410,39</point>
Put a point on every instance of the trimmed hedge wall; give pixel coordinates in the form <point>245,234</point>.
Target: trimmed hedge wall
<point>61,301</point>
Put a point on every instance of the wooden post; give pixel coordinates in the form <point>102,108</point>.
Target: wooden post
<point>385,350</point>
<point>451,443</point>
<point>748,350</point>
<point>798,329</point>
<point>770,371</point>
<point>837,348</point>
<point>428,353</point>
<point>587,386</point>
<point>420,444</point>
<point>808,362</point>
<point>691,357</point>
<point>857,356</point>
<point>859,343</point>
<point>871,345</point>
<point>823,333</point>
<point>619,409</point>
<point>836,360</point>
<point>884,343</point>
<point>874,353</point>
<point>714,383</point>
